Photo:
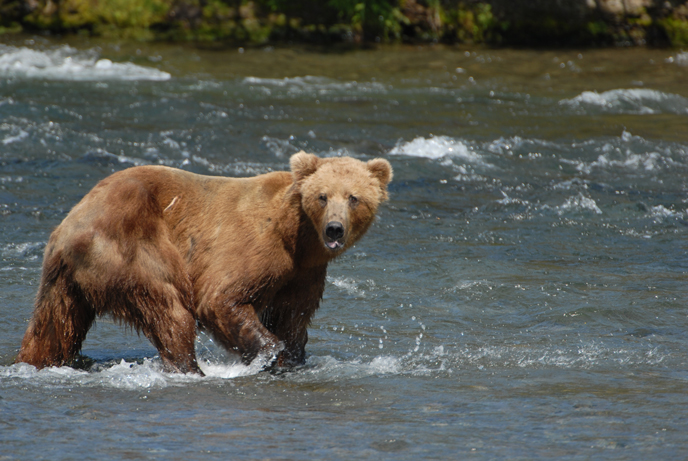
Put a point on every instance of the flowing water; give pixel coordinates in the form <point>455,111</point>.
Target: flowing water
<point>521,296</point>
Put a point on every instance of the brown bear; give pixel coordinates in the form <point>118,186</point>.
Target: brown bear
<point>165,251</point>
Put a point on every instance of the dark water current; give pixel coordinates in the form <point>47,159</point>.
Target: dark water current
<point>521,296</point>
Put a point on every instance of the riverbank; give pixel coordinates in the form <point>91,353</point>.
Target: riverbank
<point>533,23</point>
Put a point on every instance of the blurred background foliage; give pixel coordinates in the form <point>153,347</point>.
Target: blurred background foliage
<point>496,22</point>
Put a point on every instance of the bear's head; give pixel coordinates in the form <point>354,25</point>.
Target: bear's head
<point>340,195</point>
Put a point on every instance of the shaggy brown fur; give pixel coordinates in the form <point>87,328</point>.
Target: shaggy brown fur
<point>164,250</point>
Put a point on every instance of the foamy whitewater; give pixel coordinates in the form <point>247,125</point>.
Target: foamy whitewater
<point>436,147</point>
<point>681,58</point>
<point>630,101</point>
<point>317,86</point>
<point>520,296</point>
<point>66,63</point>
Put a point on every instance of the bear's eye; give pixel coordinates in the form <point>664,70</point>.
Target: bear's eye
<point>322,198</point>
<point>353,200</point>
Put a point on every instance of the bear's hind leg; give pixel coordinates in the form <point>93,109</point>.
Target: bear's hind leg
<point>174,335</point>
<point>58,327</point>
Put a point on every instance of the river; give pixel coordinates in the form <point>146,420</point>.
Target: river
<point>521,296</point>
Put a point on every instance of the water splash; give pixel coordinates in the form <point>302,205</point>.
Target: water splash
<point>16,137</point>
<point>347,284</point>
<point>579,203</point>
<point>26,250</point>
<point>681,59</point>
<point>436,148</point>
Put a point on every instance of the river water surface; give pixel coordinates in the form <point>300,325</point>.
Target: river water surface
<point>521,296</point>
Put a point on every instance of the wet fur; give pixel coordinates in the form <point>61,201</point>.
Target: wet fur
<point>165,250</point>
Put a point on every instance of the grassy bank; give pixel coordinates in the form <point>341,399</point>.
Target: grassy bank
<point>497,22</point>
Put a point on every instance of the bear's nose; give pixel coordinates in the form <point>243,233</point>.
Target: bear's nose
<point>334,230</point>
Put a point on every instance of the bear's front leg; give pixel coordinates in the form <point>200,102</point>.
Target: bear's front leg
<point>294,352</point>
<point>239,329</point>
<point>290,314</point>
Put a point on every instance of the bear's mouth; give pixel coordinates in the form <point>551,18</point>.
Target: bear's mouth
<point>334,235</point>
<point>334,245</point>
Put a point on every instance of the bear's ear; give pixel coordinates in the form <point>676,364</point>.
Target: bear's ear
<point>381,170</point>
<point>303,165</point>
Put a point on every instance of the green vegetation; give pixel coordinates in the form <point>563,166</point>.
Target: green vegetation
<point>470,23</point>
<point>676,31</point>
<point>129,18</point>
<point>517,22</point>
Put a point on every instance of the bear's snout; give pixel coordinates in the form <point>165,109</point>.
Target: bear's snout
<point>334,231</point>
